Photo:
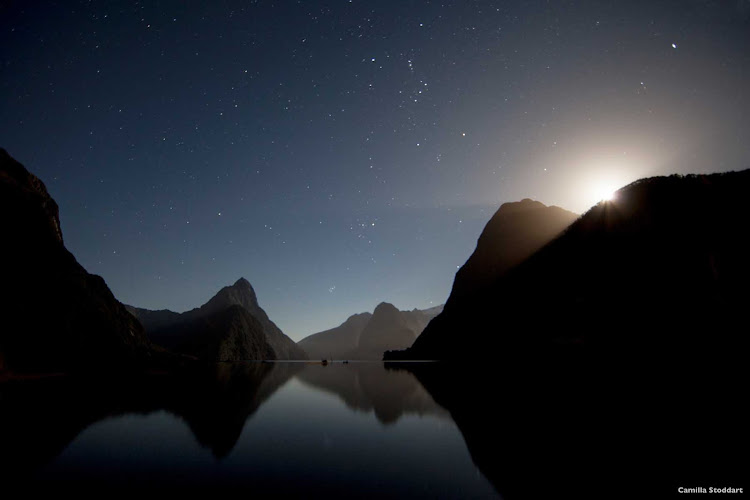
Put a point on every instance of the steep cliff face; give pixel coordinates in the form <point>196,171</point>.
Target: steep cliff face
<point>513,234</point>
<point>230,334</point>
<point>241,293</point>
<point>231,325</point>
<point>660,269</point>
<point>55,315</point>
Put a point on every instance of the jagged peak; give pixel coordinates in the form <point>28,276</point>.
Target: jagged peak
<point>241,292</point>
<point>384,307</point>
<point>242,283</point>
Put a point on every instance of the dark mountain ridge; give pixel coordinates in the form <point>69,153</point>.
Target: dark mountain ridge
<point>662,267</point>
<point>231,326</point>
<point>515,232</point>
<point>55,315</point>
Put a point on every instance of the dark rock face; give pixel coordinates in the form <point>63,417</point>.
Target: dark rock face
<point>55,315</point>
<point>242,294</point>
<point>661,270</point>
<point>231,326</point>
<point>154,320</point>
<point>367,336</point>
<point>513,234</point>
<point>226,335</point>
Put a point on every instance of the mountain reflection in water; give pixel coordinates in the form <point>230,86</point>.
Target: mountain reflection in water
<point>366,386</point>
<point>273,428</point>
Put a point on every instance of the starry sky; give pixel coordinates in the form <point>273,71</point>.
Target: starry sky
<point>338,154</point>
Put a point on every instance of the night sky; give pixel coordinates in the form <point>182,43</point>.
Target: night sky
<point>339,154</point>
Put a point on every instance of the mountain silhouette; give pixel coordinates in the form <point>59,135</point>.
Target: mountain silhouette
<point>663,267</point>
<point>513,234</point>
<point>231,326</point>
<point>337,342</point>
<point>55,315</point>
<point>389,328</point>
<point>231,334</point>
<point>367,336</point>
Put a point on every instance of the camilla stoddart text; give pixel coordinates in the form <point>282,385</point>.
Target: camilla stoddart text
<point>701,489</point>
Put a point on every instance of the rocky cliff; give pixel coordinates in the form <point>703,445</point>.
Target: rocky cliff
<point>55,315</point>
<point>231,326</point>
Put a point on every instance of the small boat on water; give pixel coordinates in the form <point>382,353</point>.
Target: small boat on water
<point>324,362</point>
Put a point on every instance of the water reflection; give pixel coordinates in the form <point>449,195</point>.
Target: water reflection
<point>572,427</point>
<point>273,428</point>
<point>39,418</point>
<point>525,424</point>
<point>366,386</point>
<point>220,401</point>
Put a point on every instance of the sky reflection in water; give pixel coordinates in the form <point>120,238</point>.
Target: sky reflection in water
<point>304,438</point>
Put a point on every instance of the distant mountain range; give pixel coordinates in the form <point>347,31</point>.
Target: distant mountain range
<point>663,268</point>
<point>55,315</point>
<point>231,326</point>
<point>367,336</point>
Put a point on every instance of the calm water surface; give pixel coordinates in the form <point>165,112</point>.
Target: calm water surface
<point>355,430</point>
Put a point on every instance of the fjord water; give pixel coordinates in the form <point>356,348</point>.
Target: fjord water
<point>291,429</point>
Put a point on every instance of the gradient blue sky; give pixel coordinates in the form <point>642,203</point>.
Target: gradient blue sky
<point>339,154</point>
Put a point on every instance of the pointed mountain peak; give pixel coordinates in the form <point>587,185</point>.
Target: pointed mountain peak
<point>242,283</point>
<point>240,293</point>
<point>384,307</point>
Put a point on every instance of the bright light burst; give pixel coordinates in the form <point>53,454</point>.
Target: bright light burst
<point>603,191</point>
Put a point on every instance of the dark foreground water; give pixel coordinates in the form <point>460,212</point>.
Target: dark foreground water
<point>344,430</point>
<point>559,427</point>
